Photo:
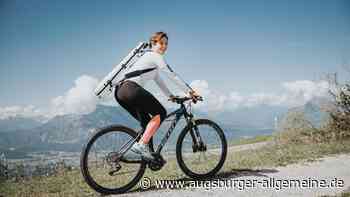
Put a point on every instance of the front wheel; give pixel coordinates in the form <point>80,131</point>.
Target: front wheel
<point>201,149</point>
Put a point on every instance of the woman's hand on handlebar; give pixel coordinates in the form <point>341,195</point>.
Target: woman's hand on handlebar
<point>195,96</point>
<point>191,96</point>
<point>177,99</point>
<point>172,98</point>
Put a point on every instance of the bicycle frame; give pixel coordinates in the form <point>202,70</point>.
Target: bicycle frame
<point>182,111</point>
<point>178,114</point>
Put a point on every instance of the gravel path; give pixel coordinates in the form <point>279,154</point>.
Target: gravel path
<point>332,169</point>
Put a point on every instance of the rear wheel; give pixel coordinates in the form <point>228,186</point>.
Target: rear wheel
<point>204,159</point>
<point>100,162</point>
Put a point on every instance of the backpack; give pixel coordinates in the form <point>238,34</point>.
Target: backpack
<point>117,74</point>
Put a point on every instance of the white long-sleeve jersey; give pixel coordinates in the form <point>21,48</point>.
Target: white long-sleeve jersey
<point>155,60</point>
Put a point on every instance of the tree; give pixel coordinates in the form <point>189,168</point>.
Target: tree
<point>339,125</point>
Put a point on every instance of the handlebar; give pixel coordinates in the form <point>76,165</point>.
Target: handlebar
<point>180,100</point>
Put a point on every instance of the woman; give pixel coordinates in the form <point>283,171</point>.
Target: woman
<point>140,103</point>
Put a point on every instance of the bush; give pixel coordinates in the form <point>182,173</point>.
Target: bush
<point>339,124</point>
<point>298,129</point>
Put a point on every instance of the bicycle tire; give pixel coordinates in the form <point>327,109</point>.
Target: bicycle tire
<point>84,160</point>
<point>179,147</point>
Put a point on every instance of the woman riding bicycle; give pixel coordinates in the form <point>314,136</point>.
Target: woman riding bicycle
<point>140,103</point>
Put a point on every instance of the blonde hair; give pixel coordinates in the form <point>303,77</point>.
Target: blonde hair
<point>156,37</point>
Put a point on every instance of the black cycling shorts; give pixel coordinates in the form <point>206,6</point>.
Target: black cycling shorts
<point>140,103</point>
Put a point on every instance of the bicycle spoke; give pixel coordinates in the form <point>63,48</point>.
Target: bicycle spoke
<point>100,163</point>
<point>202,161</point>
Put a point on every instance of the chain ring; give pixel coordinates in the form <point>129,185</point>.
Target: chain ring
<point>157,163</point>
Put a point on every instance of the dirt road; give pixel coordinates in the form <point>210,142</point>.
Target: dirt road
<point>327,176</point>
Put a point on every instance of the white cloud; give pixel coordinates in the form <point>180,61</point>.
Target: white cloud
<point>24,111</point>
<point>294,93</point>
<point>300,92</point>
<point>213,100</point>
<point>262,98</point>
<point>80,99</point>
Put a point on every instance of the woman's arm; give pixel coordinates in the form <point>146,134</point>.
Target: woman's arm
<point>162,86</point>
<point>171,74</point>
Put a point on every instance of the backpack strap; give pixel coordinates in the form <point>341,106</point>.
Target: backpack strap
<point>137,73</point>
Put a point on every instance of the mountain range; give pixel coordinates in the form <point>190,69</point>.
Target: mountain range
<point>69,132</point>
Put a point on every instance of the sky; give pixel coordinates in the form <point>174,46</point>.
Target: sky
<point>236,50</point>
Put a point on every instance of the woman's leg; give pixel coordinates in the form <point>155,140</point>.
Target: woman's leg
<point>151,128</point>
<point>141,104</point>
<point>125,99</point>
<point>149,125</point>
<point>151,105</point>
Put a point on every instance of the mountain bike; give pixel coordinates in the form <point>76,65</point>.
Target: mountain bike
<point>201,150</point>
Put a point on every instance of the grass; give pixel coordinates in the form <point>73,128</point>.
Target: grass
<point>252,140</point>
<point>70,183</point>
<point>281,155</point>
<point>67,183</point>
<point>343,194</point>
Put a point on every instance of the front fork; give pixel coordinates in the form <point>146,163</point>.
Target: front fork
<point>197,141</point>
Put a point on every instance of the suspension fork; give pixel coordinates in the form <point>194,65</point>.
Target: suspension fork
<point>197,143</point>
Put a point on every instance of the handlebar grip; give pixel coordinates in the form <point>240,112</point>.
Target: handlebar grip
<point>199,98</point>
